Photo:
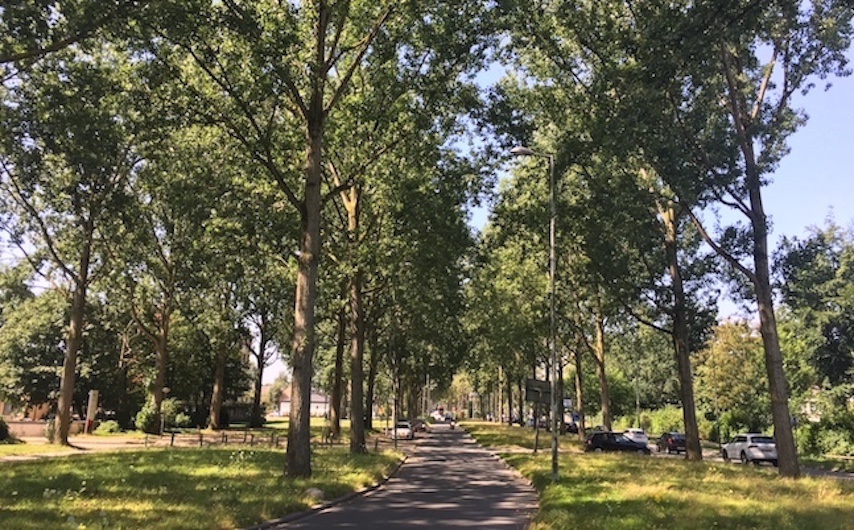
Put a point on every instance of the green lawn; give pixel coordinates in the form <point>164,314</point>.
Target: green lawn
<point>211,488</point>
<point>627,491</point>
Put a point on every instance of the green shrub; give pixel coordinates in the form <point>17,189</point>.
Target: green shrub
<point>108,427</point>
<point>147,419</point>
<point>4,430</point>
<point>182,420</point>
<point>50,430</point>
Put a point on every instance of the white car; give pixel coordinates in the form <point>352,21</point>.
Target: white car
<point>636,435</point>
<point>403,430</point>
<point>750,447</point>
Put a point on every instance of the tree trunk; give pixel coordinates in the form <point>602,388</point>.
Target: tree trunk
<point>298,453</point>
<point>783,436</point>
<point>215,411</point>
<point>338,377</point>
<point>357,329</point>
<point>256,419</point>
<point>357,347</point>
<point>680,337</point>
<point>373,367</point>
<point>599,357</point>
<point>161,358</point>
<point>73,341</point>
<point>761,278</point>
<point>579,392</point>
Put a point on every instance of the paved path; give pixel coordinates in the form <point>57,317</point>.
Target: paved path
<point>448,482</point>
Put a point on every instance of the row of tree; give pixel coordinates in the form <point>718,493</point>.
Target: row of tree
<point>659,115</point>
<point>177,172</point>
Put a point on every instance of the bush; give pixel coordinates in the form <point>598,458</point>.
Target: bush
<point>147,419</point>
<point>182,420</point>
<point>108,427</point>
<point>4,430</point>
<point>50,430</point>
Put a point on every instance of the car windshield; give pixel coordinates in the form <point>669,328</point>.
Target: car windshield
<point>402,425</point>
<point>622,438</point>
<point>763,440</point>
<point>677,436</point>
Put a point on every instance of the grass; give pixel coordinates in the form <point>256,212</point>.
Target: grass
<point>627,491</point>
<point>211,488</point>
<point>833,463</point>
<point>25,449</point>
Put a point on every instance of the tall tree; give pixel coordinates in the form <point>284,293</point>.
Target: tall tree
<point>68,148</point>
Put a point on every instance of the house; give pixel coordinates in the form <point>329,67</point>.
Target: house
<point>318,407</point>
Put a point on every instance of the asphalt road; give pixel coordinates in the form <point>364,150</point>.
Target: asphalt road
<point>448,482</point>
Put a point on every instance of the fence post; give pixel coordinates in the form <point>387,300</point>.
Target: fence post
<point>172,442</point>
<point>201,437</point>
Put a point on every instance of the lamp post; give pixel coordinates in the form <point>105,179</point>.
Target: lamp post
<point>166,391</point>
<point>525,151</point>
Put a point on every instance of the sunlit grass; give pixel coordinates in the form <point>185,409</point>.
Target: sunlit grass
<point>219,487</point>
<point>25,449</point>
<point>628,491</point>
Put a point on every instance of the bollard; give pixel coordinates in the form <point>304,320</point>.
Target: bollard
<point>223,438</point>
<point>201,438</point>
<point>251,440</point>
<point>172,441</point>
<point>245,433</point>
<point>146,440</point>
<point>272,438</point>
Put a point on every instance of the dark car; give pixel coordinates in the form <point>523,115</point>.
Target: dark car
<point>671,442</point>
<point>601,441</point>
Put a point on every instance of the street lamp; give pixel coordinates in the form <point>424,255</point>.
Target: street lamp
<point>525,151</point>
<point>166,391</point>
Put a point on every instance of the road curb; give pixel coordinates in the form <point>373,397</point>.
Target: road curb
<point>268,525</point>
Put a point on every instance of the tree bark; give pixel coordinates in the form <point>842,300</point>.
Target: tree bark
<point>357,329</point>
<point>298,453</point>
<point>783,436</point>
<point>373,367</point>
<point>256,419</point>
<point>215,410</point>
<point>338,377</point>
<point>357,348</point>
<point>73,339</point>
<point>680,336</point>
<point>579,391</point>
<point>599,357</point>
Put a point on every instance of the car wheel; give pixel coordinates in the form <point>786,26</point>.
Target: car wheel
<point>669,450</point>
<point>744,458</point>
<point>641,452</point>
<point>598,450</point>
<point>774,463</point>
<point>725,455</point>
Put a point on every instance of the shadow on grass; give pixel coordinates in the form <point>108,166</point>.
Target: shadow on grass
<point>630,491</point>
<point>173,489</point>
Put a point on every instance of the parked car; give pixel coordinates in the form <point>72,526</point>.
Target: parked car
<point>672,442</point>
<point>403,430</point>
<point>600,441</point>
<point>636,435</point>
<point>750,447</point>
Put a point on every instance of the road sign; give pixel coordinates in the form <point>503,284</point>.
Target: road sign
<point>537,391</point>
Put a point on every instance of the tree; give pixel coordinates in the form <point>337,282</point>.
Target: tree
<point>814,280</point>
<point>68,148</point>
<point>731,383</point>
<point>273,77</point>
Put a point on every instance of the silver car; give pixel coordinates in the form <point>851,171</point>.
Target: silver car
<point>750,447</point>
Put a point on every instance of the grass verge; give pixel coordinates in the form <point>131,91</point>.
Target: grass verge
<point>631,492</point>
<point>211,488</point>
